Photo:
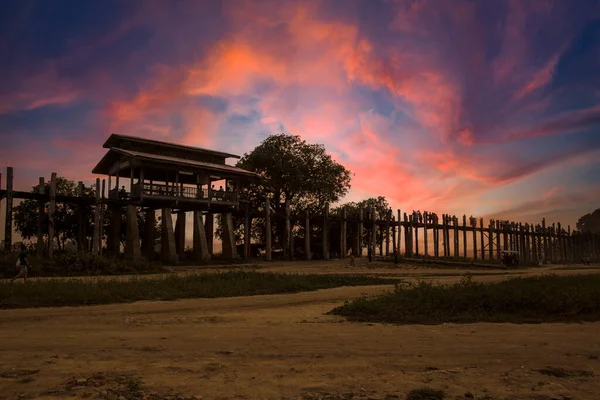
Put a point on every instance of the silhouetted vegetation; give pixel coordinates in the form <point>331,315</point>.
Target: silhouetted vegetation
<point>536,299</point>
<point>74,292</point>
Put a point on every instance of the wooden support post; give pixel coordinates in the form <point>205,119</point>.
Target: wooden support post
<point>387,233</point>
<point>41,215</point>
<point>359,234</point>
<point>307,253</point>
<point>456,236</point>
<point>473,223</point>
<point>180,235</point>
<point>527,244</point>
<point>200,243</point>
<point>287,235</point>
<point>560,244</point>
<point>209,230</point>
<point>113,242</point>
<point>51,209</point>
<point>373,232</point>
<point>415,229</point>
<point>425,238</point>
<point>96,238</point>
<point>149,231</point>
<point>406,237</point>
<point>447,237</point>
<point>399,239</point>
<point>410,238</point>
<point>569,245</point>
<point>553,244</point>
<point>229,246</point>
<point>81,245</point>
<point>436,236</point>
<point>464,236</point>
<point>168,251</point>
<point>498,234</point>
<point>505,236</point>
<point>544,244</point>
<point>269,249</point>
<point>8,228</point>
<point>343,236</point>
<point>133,250</point>
<point>326,232</point>
<point>491,240</point>
<point>247,226</point>
<point>482,237</point>
<point>522,247</point>
<point>534,246</point>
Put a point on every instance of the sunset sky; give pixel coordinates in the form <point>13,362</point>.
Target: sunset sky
<point>485,108</point>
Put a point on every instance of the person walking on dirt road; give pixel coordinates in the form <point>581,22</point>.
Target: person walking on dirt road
<point>22,263</point>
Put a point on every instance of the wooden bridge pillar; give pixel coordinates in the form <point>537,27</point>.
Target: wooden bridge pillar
<point>414,229</point>
<point>473,224</point>
<point>81,231</point>
<point>8,228</point>
<point>482,237</point>
<point>51,210</point>
<point>269,245</point>
<point>200,243</point>
<point>358,239</point>
<point>307,254</point>
<point>373,232</point>
<point>464,227</point>
<point>148,242</point>
<point>41,215</point>
<point>133,250</point>
<point>343,234</point>
<point>425,238</point>
<point>247,231</point>
<point>387,233</point>
<point>326,232</point>
<point>209,229</point>
<point>229,245</point>
<point>180,235</point>
<point>168,253</point>
<point>399,239</point>
<point>113,242</point>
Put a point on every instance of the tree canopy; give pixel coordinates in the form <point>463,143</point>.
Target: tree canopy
<point>289,168</point>
<point>589,223</point>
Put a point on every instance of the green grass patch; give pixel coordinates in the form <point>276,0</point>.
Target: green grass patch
<point>75,292</point>
<point>521,300</point>
<point>425,394</point>
<point>559,372</point>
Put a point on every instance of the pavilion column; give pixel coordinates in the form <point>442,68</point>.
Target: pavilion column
<point>229,247</point>
<point>180,234</point>
<point>133,250</point>
<point>148,242</point>
<point>167,245</point>
<point>209,229</point>
<point>200,243</point>
<point>113,243</point>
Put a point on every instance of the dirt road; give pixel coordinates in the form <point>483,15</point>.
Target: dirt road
<point>284,347</point>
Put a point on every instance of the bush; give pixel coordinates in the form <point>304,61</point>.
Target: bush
<point>536,299</point>
<point>71,292</point>
<point>75,264</point>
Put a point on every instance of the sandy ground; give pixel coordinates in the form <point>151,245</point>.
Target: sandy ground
<point>285,347</point>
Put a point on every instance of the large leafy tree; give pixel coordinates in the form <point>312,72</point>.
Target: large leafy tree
<point>590,222</point>
<point>289,168</point>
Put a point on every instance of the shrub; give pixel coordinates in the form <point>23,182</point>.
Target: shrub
<point>534,299</point>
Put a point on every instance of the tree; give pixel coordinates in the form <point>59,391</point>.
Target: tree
<point>65,215</point>
<point>289,168</point>
<point>589,223</point>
